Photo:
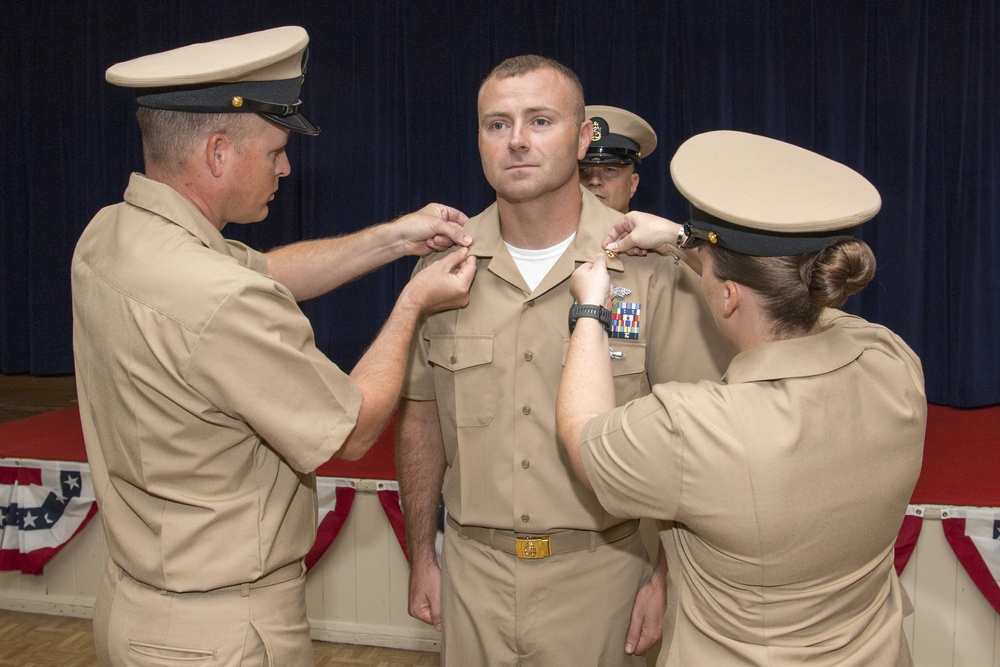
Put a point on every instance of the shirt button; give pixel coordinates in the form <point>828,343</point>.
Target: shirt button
<point>528,356</point>
<point>531,304</point>
<point>526,409</point>
<point>525,518</point>
<point>525,464</point>
<point>452,359</point>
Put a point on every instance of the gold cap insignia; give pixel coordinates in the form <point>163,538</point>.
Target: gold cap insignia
<point>596,136</point>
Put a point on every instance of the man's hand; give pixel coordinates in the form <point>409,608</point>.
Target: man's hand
<point>646,626</point>
<point>311,268</point>
<point>425,593</point>
<point>590,283</point>
<point>444,284</point>
<point>433,228</point>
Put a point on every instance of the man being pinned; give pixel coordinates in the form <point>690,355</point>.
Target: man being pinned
<point>526,547</point>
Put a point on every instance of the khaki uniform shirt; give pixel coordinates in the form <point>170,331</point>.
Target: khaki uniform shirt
<point>494,369</point>
<point>788,484</point>
<point>205,403</point>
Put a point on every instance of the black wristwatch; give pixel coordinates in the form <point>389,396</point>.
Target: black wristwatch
<point>599,313</point>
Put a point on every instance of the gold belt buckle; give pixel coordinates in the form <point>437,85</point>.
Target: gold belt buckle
<point>533,547</point>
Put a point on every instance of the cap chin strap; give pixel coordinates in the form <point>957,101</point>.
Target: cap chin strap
<point>277,109</point>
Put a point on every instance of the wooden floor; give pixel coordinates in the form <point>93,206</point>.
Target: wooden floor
<point>34,640</point>
<point>26,395</point>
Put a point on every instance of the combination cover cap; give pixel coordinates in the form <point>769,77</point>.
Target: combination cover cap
<point>260,72</point>
<point>619,137</point>
<point>761,196</point>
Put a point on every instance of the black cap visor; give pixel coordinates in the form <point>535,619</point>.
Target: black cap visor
<point>295,122</point>
<point>610,155</point>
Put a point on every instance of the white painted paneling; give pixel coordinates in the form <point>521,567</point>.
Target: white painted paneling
<point>357,593</point>
<point>952,625</point>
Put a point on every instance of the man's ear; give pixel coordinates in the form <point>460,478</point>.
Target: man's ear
<point>634,177</point>
<point>217,149</point>
<point>586,132</point>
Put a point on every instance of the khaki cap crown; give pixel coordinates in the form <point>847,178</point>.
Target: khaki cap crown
<point>761,196</point>
<point>260,72</point>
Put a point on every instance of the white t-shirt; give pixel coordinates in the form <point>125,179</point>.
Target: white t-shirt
<point>534,264</point>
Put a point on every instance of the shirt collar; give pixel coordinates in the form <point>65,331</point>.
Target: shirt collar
<point>162,200</point>
<point>595,221</point>
<point>822,352</point>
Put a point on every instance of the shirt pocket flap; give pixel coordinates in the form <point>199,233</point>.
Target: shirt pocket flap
<point>626,358</point>
<point>457,353</point>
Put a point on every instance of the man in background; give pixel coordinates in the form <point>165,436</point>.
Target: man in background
<point>619,142</point>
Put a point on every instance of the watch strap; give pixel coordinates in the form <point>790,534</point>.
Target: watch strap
<point>599,313</point>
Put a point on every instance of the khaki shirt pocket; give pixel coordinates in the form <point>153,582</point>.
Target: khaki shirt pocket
<point>463,377</point>
<point>628,366</point>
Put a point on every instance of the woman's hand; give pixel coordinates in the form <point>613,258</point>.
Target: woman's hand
<point>590,283</point>
<point>638,233</point>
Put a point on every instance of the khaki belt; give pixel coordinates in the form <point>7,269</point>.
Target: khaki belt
<point>285,573</point>
<point>526,545</point>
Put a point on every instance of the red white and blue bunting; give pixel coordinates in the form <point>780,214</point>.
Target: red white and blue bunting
<point>906,541</point>
<point>388,496</point>
<point>974,536</point>
<point>43,504</point>
<point>336,497</point>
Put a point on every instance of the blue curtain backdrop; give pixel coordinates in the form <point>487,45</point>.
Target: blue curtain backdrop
<point>905,92</point>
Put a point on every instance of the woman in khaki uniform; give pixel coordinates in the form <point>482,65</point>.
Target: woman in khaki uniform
<point>786,482</point>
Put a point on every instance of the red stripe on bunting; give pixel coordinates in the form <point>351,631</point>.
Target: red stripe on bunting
<point>20,475</point>
<point>330,526</point>
<point>394,512</point>
<point>968,555</point>
<point>906,541</point>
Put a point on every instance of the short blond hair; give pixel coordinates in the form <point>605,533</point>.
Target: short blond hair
<point>519,65</point>
<point>168,137</point>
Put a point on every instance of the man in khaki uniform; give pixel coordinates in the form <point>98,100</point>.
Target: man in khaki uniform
<point>619,142</point>
<point>206,406</point>
<point>479,416</point>
<point>787,482</point>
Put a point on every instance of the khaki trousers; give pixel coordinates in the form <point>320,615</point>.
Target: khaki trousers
<point>264,625</point>
<point>569,609</point>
